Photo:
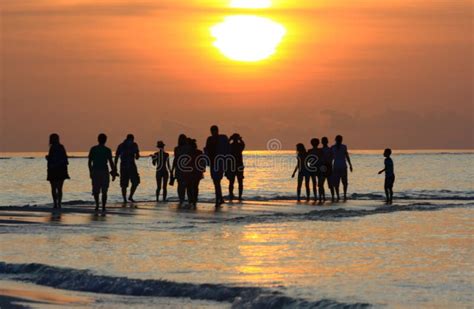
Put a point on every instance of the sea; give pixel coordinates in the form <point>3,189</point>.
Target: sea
<point>268,251</point>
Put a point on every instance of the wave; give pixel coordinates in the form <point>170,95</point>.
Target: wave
<point>87,281</point>
<point>339,213</point>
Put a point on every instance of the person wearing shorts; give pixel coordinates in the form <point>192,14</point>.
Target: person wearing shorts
<point>340,156</point>
<point>128,152</point>
<point>100,156</point>
<point>389,175</point>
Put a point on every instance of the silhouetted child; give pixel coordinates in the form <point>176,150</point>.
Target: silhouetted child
<point>303,172</point>
<point>389,175</point>
<point>161,160</point>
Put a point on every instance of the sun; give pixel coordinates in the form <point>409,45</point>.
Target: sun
<point>247,38</point>
<point>251,4</point>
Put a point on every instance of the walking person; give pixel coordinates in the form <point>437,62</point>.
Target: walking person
<point>325,170</point>
<point>303,173</point>
<point>100,157</point>
<point>57,169</point>
<point>128,152</point>
<point>236,169</point>
<point>389,175</point>
<point>217,147</point>
<point>340,156</point>
<point>177,170</point>
<point>314,161</point>
<point>161,160</point>
<point>195,174</point>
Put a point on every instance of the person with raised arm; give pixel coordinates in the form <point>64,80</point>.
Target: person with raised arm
<point>236,169</point>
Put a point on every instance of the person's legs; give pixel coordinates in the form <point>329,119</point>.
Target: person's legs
<point>336,183</point>
<point>104,198</point>
<point>345,183</point>
<point>218,191</point>
<point>231,186</point>
<point>298,187</point>
<point>314,184</point>
<point>54,194</point>
<point>322,194</point>
<point>165,187</point>
<point>135,180</point>
<point>159,180</point>
<point>181,191</point>
<point>59,192</point>
<point>308,191</point>
<point>240,179</point>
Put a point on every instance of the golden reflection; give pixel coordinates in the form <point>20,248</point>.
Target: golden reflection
<point>247,38</point>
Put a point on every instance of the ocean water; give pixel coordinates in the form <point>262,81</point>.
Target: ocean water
<point>267,252</point>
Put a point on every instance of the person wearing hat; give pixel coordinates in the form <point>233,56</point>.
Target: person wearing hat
<point>161,160</point>
<point>237,146</point>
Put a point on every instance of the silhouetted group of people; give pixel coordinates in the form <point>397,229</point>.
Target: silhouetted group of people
<point>223,155</point>
<point>319,165</point>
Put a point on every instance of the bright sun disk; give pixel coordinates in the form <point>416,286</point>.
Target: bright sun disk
<point>247,38</point>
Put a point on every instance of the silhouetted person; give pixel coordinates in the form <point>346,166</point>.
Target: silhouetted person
<point>57,168</point>
<point>339,167</point>
<point>194,173</point>
<point>180,153</point>
<point>217,147</point>
<point>325,170</point>
<point>100,157</point>
<point>162,162</point>
<point>389,175</point>
<point>302,170</point>
<point>236,170</point>
<point>128,152</point>
<point>314,161</point>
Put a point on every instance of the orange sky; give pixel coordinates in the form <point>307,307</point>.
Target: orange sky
<point>394,73</point>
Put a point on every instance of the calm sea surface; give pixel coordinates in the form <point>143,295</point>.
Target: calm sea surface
<point>267,251</point>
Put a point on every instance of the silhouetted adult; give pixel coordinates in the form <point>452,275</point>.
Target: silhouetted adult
<point>302,170</point>
<point>325,169</point>
<point>217,147</point>
<point>314,161</point>
<point>236,169</point>
<point>339,168</point>
<point>177,171</point>
<point>162,162</point>
<point>57,168</point>
<point>100,157</point>
<point>128,152</point>
<point>194,173</point>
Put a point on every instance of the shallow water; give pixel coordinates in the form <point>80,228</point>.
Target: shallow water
<point>267,251</point>
<point>420,175</point>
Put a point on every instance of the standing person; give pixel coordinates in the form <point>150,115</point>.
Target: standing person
<point>315,162</point>
<point>177,168</point>
<point>196,173</point>
<point>302,170</point>
<point>325,170</point>
<point>128,152</point>
<point>217,147</point>
<point>236,170</point>
<point>389,175</point>
<point>99,156</point>
<point>339,172</point>
<point>57,169</point>
<point>162,162</point>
